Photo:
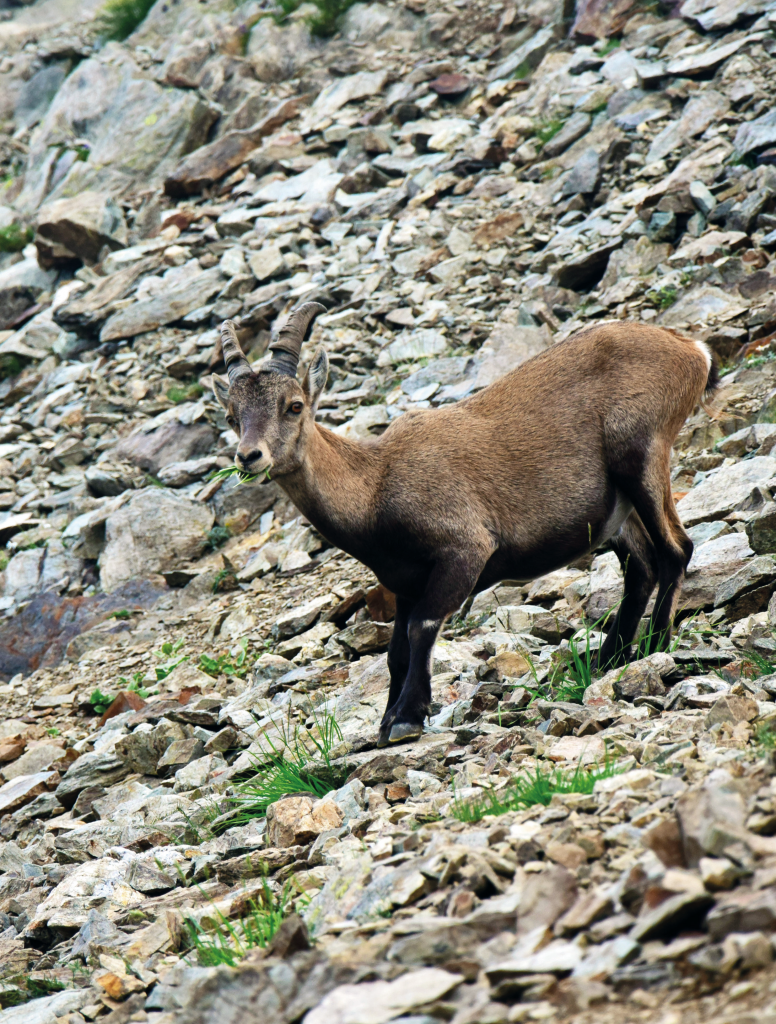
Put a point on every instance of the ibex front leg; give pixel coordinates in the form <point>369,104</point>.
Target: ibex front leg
<point>450,583</point>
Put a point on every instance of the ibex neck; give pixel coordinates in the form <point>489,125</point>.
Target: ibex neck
<point>335,486</point>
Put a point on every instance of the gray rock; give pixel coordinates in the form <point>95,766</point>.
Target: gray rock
<point>297,620</point>
<point>702,197</point>
<point>37,759</point>
<point>705,60</point>
<point>240,505</point>
<point>178,754</point>
<point>685,910</point>
<point>701,111</point>
<point>134,544</point>
<point>113,108</point>
<point>585,176</point>
<point>529,54</point>
<point>418,344</point>
<point>587,268</point>
<point>713,15</point>
<point>508,345</point>
<point>724,488</point>
<point>382,1001</point>
<point>278,52</point>
<point>37,93</point>
<point>97,935</point>
<point>148,314</point>
<point>573,129</point>
<point>705,813</point>
<point>23,789</point>
<point>143,748</point>
<point>761,529</point>
<point>743,911</point>
<point>20,287</point>
<point>640,678</point>
<point>712,564</point>
<point>759,572</point>
<point>662,226</point>
<point>48,1009</point>
<point>747,439</point>
<point>180,474</point>
<point>743,216</point>
<point>90,770</point>
<point>757,134</point>
<point>79,228</point>
<point>732,709</point>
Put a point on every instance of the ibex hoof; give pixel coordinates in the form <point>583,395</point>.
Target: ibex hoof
<point>383,737</point>
<point>405,731</point>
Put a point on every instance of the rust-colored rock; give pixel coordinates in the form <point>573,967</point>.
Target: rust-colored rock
<point>296,820</point>
<point>450,85</point>
<point>665,840</point>
<point>207,164</point>
<point>125,700</point>
<point>600,19</point>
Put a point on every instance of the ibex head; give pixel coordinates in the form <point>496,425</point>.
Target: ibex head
<point>271,411</point>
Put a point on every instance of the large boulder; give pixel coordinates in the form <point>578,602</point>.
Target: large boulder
<point>153,532</point>
<point>209,163</point>
<point>278,53</point>
<point>176,435</point>
<point>510,344</point>
<point>37,93</point>
<point>130,131</point>
<point>149,314</point>
<point>723,489</point>
<point>78,229</point>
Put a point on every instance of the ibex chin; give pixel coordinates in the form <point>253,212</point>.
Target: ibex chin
<point>566,452</point>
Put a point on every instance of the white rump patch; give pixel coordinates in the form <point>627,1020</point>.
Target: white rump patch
<point>703,348</point>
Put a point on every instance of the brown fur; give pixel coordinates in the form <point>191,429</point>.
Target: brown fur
<point>567,451</point>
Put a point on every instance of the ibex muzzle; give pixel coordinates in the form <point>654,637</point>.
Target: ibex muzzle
<point>567,452</point>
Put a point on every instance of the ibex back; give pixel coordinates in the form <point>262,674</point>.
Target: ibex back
<point>561,455</point>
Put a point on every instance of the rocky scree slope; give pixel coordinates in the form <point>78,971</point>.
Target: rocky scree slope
<point>462,186</point>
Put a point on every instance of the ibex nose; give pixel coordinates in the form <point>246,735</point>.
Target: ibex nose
<point>248,457</point>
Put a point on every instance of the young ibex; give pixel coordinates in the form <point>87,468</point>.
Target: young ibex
<point>566,452</point>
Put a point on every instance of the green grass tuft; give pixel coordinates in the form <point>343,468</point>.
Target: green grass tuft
<point>287,771</point>
<point>663,297</point>
<point>224,664</point>
<point>548,130</point>
<point>765,736</point>
<point>528,789</point>
<point>189,393</point>
<point>229,471</point>
<point>229,942</point>
<point>217,537</point>
<point>120,18</point>
<point>14,238</point>
<point>609,45</point>
<point>322,24</point>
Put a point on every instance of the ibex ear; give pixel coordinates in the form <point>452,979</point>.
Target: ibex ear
<point>316,377</point>
<point>221,391</point>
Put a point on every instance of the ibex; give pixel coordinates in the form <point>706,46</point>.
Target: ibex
<point>566,452</point>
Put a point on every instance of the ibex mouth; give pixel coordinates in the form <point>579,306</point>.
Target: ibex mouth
<point>259,466</point>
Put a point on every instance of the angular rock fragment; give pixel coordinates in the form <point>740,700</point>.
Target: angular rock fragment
<point>78,229</point>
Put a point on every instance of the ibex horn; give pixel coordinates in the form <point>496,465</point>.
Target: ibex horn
<point>286,347</point>
<point>236,363</point>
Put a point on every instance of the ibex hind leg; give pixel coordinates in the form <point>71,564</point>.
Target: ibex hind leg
<point>398,666</point>
<point>653,500</point>
<point>636,553</point>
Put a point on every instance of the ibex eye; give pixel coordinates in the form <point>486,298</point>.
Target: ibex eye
<point>296,408</point>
